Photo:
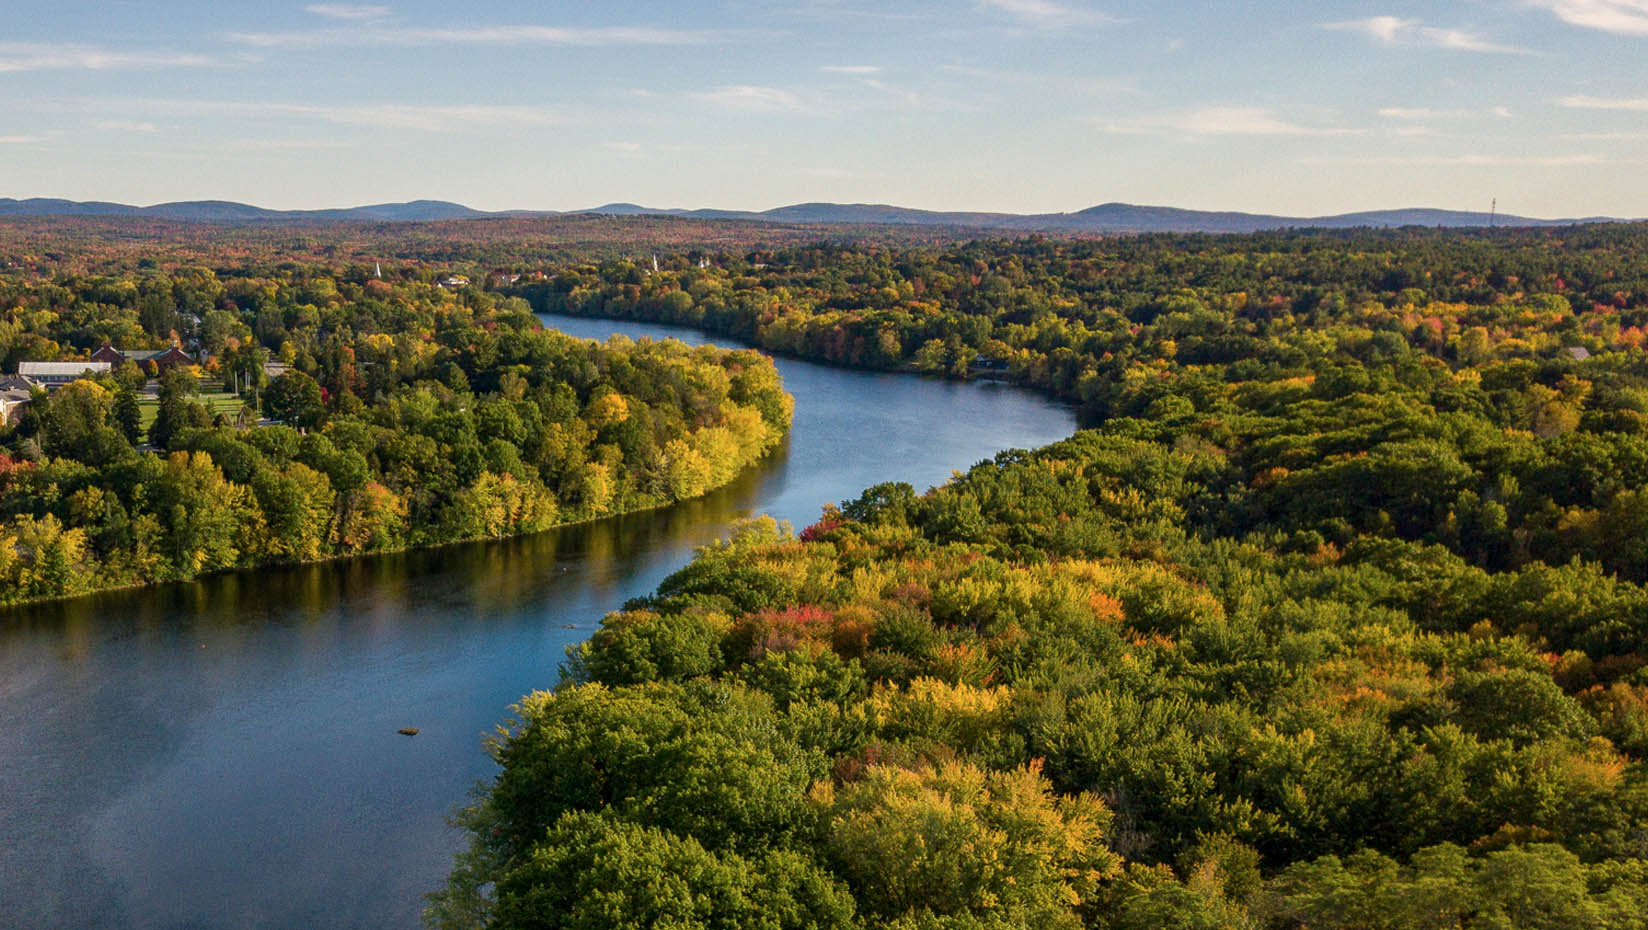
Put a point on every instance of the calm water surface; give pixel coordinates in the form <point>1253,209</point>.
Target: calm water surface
<point>223,754</point>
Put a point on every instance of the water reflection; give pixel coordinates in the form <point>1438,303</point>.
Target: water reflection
<point>224,754</point>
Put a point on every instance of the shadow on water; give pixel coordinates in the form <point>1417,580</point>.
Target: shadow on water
<point>131,718</point>
<point>224,753</point>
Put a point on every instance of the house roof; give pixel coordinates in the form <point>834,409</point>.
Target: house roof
<point>144,355</point>
<point>59,369</point>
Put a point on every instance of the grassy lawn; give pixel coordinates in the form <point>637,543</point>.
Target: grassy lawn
<point>215,404</point>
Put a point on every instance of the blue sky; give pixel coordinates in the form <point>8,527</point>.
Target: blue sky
<point>1012,105</point>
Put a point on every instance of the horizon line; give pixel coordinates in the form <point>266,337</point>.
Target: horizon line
<point>804,203</point>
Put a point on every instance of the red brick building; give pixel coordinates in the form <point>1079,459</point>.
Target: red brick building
<point>163,358</point>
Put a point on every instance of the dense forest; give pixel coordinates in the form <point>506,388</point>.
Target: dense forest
<point>1499,409</point>
<point>57,245</point>
<point>398,415</point>
<point>1337,620</point>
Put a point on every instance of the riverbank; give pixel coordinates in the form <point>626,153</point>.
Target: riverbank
<point>585,431</point>
<point>222,753</point>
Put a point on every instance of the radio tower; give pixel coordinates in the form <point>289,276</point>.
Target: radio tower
<point>1493,213</point>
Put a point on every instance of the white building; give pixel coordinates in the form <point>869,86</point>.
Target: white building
<point>56,374</point>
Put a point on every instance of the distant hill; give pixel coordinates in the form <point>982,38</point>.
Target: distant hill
<point>229,213</point>
<point>1114,218</point>
<point>1105,218</point>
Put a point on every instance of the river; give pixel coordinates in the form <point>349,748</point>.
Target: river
<point>223,754</point>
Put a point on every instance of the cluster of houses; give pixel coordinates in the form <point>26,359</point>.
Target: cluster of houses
<point>496,279</point>
<point>17,391</point>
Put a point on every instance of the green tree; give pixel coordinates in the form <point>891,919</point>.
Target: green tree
<point>175,410</point>
<point>127,414</point>
<point>593,873</point>
<point>296,502</point>
<point>295,398</point>
<point>76,423</point>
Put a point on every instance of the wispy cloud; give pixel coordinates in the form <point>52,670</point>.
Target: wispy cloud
<point>476,35</point>
<point>837,174</point>
<point>753,99</point>
<point>347,11</point>
<point>1607,136</point>
<point>125,125</point>
<point>1039,82</point>
<point>898,95</point>
<point>852,92</point>
<point>1428,113</point>
<point>1582,102</point>
<point>282,145</point>
<point>1048,14</point>
<point>1223,121</point>
<point>1623,17</point>
<point>1468,161</point>
<point>1383,28</point>
<point>420,117</point>
<point>1393,30</point>
<point>27,56</point>
<point>424,118</point>
<point>851,69</point>
<point>22,140</point>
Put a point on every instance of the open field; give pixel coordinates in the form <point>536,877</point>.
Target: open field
<point>149,406</point>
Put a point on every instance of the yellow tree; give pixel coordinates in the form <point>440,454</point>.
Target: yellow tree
<point>959,840</point>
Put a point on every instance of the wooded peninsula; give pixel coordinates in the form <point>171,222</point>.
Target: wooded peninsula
<point>332,416</point>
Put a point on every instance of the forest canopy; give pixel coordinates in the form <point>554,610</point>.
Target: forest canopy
<point>1334,620</point>
<point>343,420</point>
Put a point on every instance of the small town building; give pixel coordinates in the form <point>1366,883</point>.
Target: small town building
<point>12,403</point>
<point>52,375</point>
<point>164,359</point>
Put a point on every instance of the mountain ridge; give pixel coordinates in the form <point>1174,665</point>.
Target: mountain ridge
<point>1111,218</point>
